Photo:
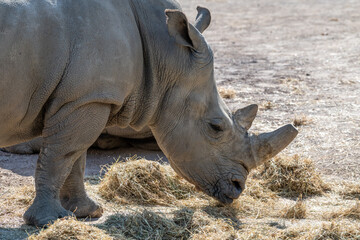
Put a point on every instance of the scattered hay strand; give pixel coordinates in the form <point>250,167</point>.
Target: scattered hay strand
<point>24,196</point>
<point>145,182</point>
<point>70,228</point>
<point>267,105</point>
<point>350,191</point>
<point>202,226</point>
<point>301,121</point>
<point>297,211</point>
<point>342,230</point>
<point>352,212</point>
<point>257,201</point>
<point>292,177</point>
<point>227,93</point>
<point>16,200</point>
<point>185,224</point>
<point>143,225</point>
<point>256,189</point>
<point>258,232</point>
<point>336,231</point>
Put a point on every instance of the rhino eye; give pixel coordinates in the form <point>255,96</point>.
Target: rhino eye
<point>215,127</point>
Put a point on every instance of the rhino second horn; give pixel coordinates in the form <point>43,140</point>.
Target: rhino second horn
<point>267,145</point>
<point>203,19</point>
<point>245,116</point>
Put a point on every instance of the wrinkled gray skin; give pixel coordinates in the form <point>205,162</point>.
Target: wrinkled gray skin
<point>68,69</point>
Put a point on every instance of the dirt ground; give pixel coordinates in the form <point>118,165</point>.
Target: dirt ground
<point>297,59</point>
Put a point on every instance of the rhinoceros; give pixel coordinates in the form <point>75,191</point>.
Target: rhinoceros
<point>111,138</point>
<point>70,69</point>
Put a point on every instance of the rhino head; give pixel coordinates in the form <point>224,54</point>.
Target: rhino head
<point>204,142</point>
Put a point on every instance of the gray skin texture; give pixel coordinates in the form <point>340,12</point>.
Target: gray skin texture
<point>70,69</point>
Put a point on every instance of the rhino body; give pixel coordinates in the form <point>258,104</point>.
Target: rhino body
<point>111,138</point>
<point>70,69</point>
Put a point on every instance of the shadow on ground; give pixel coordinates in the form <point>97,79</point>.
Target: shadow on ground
<point>25,165</point>
<point>17,233</point>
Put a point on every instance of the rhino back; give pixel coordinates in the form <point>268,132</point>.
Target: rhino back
<point>63,54</point>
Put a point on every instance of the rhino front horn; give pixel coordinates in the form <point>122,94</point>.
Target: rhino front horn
<point>267,145</point>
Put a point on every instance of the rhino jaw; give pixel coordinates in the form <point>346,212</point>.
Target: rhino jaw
<point>267,145</point>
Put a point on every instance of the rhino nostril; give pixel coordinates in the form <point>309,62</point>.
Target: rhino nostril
<point>237,186</point>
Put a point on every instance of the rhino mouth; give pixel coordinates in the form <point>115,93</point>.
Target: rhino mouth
<point>226,191</point>
<point>230,186</point>
<point>225,199</point>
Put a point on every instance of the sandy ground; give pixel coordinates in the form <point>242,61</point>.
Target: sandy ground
<point>296,59</point>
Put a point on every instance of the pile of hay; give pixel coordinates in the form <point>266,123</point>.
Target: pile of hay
<point>144,182</point>
<point>147,182</point>
<point>292,177</point>
<point>70,228</point>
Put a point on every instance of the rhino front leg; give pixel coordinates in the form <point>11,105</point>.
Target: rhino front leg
<point>65,140</point>
<point>73,196</point>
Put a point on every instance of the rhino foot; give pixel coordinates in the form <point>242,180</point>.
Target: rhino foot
<point>73,196</point>
<point>82,207</point>
<point>41,213</point>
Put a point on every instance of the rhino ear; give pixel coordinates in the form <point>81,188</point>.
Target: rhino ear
<point>203,19</point>
<point>184,33</point>
<point>245,116</point>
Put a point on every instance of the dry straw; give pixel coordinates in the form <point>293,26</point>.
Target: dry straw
<point>227,93</point>
<point>349,212</point>
<point>185,223</point>
<point>341,230</point>
<point>197,224</point>
<point>17,200</point>
<point>143,225</point>
<point>70,228</point>
<point>25,195</point>
<point>301,121</point>
<point>350,191</point>
<point>196,216</point>
<point>267,105</point>
<point>144,182</point>
<point>292,177</point>
<point>297,211</point>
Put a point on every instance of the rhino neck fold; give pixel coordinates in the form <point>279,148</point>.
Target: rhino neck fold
<point>142,106</point>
